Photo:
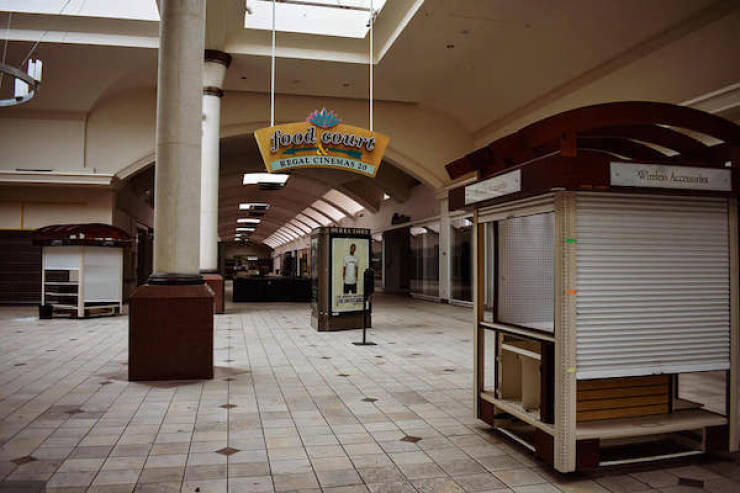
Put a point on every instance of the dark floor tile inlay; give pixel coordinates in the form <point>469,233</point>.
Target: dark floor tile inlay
<point>369,399</point>
<point>449,369</point>
<point>107,382</point>
<point>690,482</point>
<point>23,460</point>
<point>74,411</point>
<point>410,439</point>
<point>326,357</point>
<point>227,451</point>
<point>228,406</point>
<point>342,375</point>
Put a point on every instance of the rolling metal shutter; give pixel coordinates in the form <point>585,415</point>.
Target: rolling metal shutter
<point>653,285</point>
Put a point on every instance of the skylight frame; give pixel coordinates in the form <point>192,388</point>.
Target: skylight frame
<point>314,17</point>
<point>137,10</point>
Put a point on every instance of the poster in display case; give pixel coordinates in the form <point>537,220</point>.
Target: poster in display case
<point>341,256</point>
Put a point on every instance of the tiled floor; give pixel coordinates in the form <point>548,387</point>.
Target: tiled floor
<point>289,409</point>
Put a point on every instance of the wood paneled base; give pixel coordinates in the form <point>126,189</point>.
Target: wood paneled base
<point>216,283</point>
<point>171,333</point>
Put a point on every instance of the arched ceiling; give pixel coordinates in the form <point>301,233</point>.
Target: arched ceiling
<point>240,155</point>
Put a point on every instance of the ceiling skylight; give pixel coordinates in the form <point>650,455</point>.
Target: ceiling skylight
<point>317,216</point>
<point>328,209</point>
<point>248,220</point>
<point>245,230</point>
<point>343,18</point>
<point>338,198</point>
<point>300,226</point>
<point>142,10</point>
<point>305,219</point>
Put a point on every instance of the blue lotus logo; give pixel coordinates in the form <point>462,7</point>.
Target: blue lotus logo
<point>323,118</point>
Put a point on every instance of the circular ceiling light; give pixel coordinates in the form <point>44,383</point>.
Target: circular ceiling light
<point>26,84</point>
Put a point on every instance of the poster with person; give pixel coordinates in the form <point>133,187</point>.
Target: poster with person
<point>350,259</point>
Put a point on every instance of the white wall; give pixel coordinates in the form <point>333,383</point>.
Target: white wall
<point>42,142</point>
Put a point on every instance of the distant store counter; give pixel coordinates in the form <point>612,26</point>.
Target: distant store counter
<point>269,289</point>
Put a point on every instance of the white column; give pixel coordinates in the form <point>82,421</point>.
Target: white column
<point>214,69</point>
<point>444,249</point>
<point>178,136</point>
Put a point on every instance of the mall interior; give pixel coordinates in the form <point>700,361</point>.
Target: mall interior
<point>369,246</point>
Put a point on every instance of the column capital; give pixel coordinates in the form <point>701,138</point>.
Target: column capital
<point>216,56</point>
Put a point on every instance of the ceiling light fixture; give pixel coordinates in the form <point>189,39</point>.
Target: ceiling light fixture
<point>253,206</point>
<point>248,220</point>
<point>266,181</point>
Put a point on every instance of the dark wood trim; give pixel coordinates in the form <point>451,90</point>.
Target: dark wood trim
<point>544,446</point>
<point>587,454</point>
<point>213,91</point>
<point>547,382</point>
<point>217,57</point>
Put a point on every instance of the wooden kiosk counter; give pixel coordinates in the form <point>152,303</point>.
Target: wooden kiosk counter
<point>606,260</point>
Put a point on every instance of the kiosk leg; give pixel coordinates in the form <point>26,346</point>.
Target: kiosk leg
<point>364,328</point>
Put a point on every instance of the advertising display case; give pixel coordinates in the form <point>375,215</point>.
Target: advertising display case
<point>606,280</point>
<point>340,257</point>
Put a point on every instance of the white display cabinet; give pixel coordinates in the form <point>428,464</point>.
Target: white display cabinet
<point>81,269</point>
<point>82,280</point>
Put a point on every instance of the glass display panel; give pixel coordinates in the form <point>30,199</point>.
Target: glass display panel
<point>424,265</point>
<point>526,271</point>
<point>462,260</point>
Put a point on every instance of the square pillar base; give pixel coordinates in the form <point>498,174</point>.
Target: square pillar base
<point>171,333</point>
<point>217,284</point>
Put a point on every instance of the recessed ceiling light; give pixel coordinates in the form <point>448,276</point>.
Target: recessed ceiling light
<point>450,46</point>
<point>248,220</point>
<point>244,77</point>
<point>265,180</point>
<point>253,206</point>
<point>245,229</point>
<point>345,84</point>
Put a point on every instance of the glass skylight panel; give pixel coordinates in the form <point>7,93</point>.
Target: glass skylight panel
<point>291,236</point>
<point>142,10</point>
<point>305,219</point>
<point>328,209</point>
<point>256,178</point>
<point>317,216</point>
<point>343,18</point>
<point>300,226</point>
<point>293,229</point>
<point>338,198</point>
<point>248,220</point>
<point>245,230</point>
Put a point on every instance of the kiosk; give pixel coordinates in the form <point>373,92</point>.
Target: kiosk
<point>339,258</point>
<point>81,269</point>
<point>606,261</point>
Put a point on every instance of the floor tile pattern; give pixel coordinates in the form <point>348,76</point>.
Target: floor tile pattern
<point>288,410</point>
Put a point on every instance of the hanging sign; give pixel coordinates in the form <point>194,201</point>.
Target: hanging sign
<point>661,176</point>
<point>321,142</point>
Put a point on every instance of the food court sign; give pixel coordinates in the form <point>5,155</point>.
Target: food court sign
<point>321,142</point>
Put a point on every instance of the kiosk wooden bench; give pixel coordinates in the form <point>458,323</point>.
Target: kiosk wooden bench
<point>606,260</point>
